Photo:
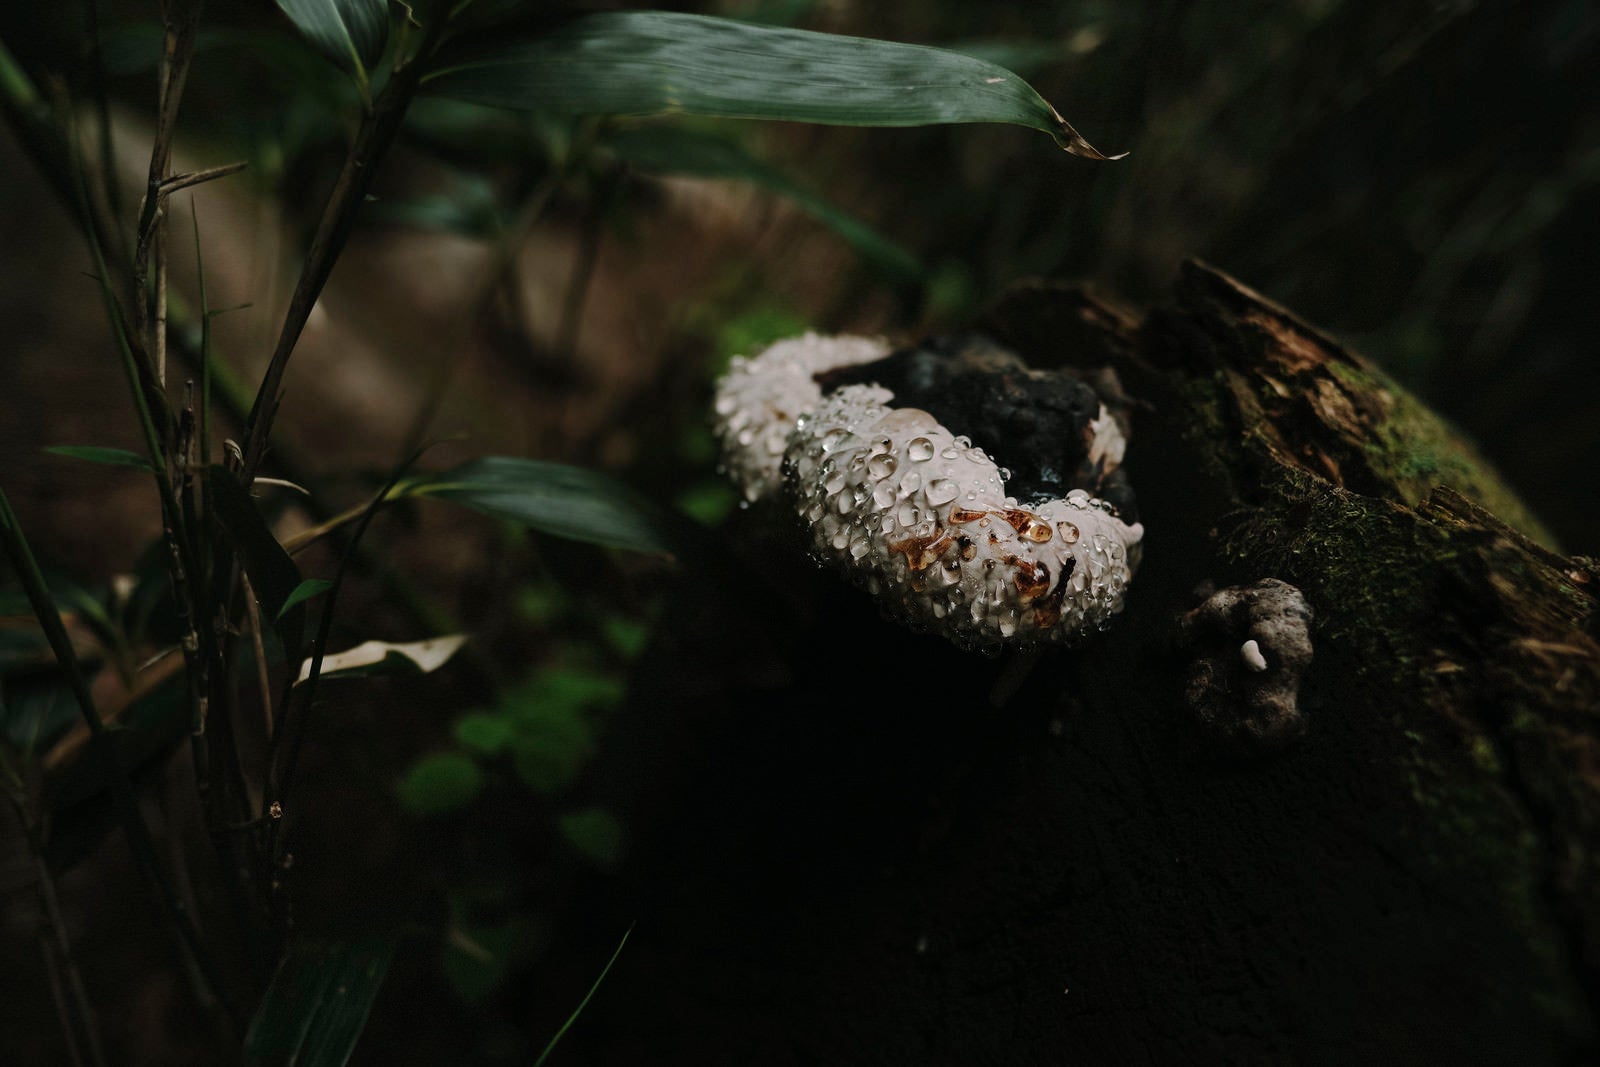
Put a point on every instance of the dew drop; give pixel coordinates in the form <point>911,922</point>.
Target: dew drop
<point>833,439</point>
<point>883,495</point>
<point>881,466</point>
<point>880,445</point>
<point>1037,532</point>
<point>908,515</point>
<point>1069,532</point>
<point>834,482</point>
<point>920,449</point>
<point>942,491</point>
<point>860,547</point>
<point>911,483</point>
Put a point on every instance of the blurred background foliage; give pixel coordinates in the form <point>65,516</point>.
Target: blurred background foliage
<point>1419,179</point>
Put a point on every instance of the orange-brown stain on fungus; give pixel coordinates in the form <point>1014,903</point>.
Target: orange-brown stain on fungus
<point>1046,611</point>
<point>922,552</point>
<point>1032,579</point>
<point>1026,523</point>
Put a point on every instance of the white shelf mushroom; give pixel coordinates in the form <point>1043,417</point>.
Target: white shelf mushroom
<point>916,514</point>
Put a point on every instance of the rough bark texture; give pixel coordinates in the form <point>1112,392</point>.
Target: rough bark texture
<point>856,845</point>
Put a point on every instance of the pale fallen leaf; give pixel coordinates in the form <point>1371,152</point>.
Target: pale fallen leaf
<point>427,655</point>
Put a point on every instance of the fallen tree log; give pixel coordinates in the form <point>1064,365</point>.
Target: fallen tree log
<point>856,844</point>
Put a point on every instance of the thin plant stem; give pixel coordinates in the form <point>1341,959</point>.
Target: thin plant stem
<point>584,1003</point>
<point>152,436</point>
<point>179,182</point>
<point>379,125</point>
<point>284,748</point>
<point>29,116</point>
<point>102,103</point>
<point>188,943</point>
<point>199,646</point>
<point>205,353</point>
<point>280,776</point>
<point>182,23</point>
<point>51,901</point>
<point>66,982</point>
<point>263,679</point>
<point>70,1025</point>
<point>188,591</point>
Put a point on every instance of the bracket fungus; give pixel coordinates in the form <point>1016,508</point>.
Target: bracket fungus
<point>1248,647</point>
<point>891,462</point>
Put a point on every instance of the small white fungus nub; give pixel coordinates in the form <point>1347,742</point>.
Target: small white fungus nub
<point>1250,652</point>
<point>915,514</point>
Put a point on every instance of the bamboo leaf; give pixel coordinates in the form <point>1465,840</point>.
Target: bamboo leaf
<point>352,33</point>
<point>35,710</point>
<point>566,501</point>
<point>111,457</point>
<point>317,1005</point>
<point>304,591</point>
<point>659,62</point>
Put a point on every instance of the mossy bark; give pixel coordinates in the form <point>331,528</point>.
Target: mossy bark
<point>854,844</point>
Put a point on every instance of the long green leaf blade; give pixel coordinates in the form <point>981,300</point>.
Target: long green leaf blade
<point>111,457</point>
<point>569,502</point>
<point>317,1005</point>
<point>304,591</point>
<point>352,33</point>
<point>658,62</point>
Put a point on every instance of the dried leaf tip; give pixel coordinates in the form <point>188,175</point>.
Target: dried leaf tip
<point>1074,142</point>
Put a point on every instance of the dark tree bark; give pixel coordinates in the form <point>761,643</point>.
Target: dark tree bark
<point>853,844</point>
